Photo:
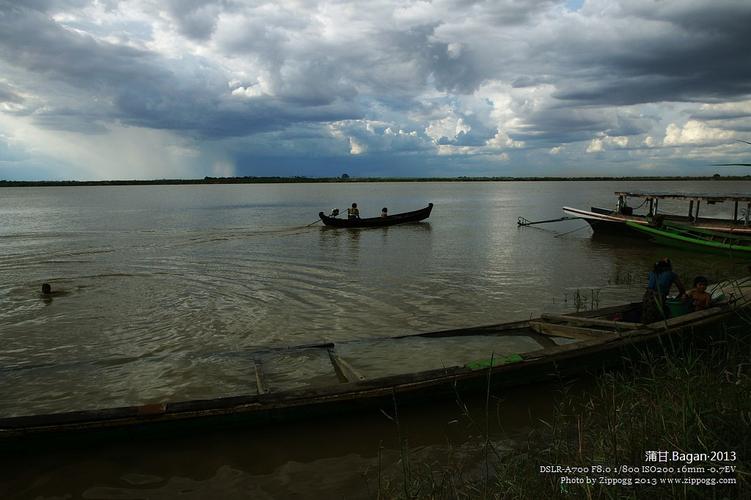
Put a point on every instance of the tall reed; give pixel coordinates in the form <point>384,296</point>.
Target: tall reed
<point>679,396</point>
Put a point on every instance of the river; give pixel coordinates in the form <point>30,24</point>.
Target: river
<point>159,290</point>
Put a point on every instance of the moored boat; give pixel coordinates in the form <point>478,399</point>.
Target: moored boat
<point>379,373</point>
<point>390,220</point>
<point>614,221</point>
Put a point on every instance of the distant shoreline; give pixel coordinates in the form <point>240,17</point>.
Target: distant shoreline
<point>316,180</point>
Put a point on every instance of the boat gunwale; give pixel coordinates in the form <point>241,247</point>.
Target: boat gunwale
<point>703,232</point>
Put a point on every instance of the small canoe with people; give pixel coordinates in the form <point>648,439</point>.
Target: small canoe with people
<point>384,220</point>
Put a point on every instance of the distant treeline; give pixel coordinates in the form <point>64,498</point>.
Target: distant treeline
<point>277,180</point>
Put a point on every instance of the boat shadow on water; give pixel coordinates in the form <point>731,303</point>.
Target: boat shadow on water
<point>335,235</point>
<point>406,227</point>
<point>725,259</point>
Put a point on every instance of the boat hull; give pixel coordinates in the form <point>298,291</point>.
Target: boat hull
<point>603,221</point>
<point>391,220</point>
<point>609,221</point>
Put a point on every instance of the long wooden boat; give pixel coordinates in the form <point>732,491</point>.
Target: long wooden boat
<point>390,220</point>
<point>614,221</point>
<point>379,373</point>
<point>689,237</point>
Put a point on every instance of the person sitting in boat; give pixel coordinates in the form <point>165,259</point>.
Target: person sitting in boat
<point>384,212</point>
<point>334,212</point>
<point>661,280</point>
<point>698,295</point>
<point>353,212</point>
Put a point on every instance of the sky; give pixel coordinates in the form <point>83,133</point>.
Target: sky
<point>153,89</point>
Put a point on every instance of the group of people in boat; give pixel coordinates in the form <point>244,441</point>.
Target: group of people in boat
<point>661,280</point>
<point>354,213</point>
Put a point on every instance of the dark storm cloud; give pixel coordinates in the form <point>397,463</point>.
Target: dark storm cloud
<point>530,81</point>
<point>725,113</point>
<point>8,94</point>
<point>66,63</point>
<point>70,120</point>
<point>699,52</point>
<point>196,19</point>
<point>561,126</point>
<point>502,12</point>
<point>32,41</point>
<point>460,74</point>
<point>143,89</point>
<point>478,134</point>
<point>568,124</point>
<point>196,112</point>
<point>365,79</point>
<point>44,5</point>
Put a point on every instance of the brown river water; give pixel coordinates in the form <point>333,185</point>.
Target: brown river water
<point>162,291</point>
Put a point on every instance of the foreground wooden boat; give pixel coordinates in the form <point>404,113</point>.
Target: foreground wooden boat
<point>690,237</point>
<point>391,220</point>
<point>380,373</point>
<point>614,221</point>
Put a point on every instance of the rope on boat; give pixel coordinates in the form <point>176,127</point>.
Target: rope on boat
<point>521,221</point>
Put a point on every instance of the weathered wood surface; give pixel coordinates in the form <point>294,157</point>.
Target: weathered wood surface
<point>344,368</point>
<point>568,331</point>
<point>260,384</point>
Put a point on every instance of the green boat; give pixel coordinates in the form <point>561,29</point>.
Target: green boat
<point>686,236</point>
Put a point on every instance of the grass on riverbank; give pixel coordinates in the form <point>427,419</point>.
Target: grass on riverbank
<point>687,399</point>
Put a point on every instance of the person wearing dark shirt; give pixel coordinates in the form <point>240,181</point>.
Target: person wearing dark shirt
<point>661,280</point>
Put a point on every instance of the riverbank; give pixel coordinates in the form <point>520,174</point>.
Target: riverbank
<point>344,178</point>
<point>672,425</point>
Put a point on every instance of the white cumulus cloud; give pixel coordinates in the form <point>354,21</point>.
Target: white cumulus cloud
<point>695,132</point>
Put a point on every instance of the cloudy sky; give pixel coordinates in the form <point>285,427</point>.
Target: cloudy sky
<point>108,89</point>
